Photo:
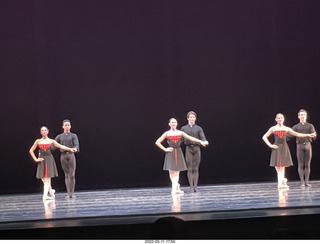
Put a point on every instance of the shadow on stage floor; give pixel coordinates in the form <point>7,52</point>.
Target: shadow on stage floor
<point>225,211</point>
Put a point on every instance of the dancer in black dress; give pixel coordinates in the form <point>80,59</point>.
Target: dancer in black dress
<point>174,160</point>
<point>46,168</point>
<point>280,155</point>
<point>68,159</point>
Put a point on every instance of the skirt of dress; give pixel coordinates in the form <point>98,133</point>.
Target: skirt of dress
<point>174,160</point>
<point>47,168</point>
<point>281,156</point>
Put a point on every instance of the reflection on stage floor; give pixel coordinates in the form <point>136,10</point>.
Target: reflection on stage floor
<point>145,205</point>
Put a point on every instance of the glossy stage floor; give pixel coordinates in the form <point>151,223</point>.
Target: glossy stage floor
<point>224,211</point>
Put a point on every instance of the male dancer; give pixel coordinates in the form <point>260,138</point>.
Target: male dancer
<point>68,159</point>
<point>193,152</point>
<point>304,148</point>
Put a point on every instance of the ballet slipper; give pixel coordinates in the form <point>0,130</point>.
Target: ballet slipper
<point>177,192</point>
<point>283,187</point>
<point>47,198</point>
<point>51,192</point>
<point>284,183</point>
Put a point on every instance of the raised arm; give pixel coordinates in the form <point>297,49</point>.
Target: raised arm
<point>191,138</point>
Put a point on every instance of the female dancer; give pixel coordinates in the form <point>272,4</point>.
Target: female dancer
<point>280,155</point>
<point>174,161</point>
<point>46,164</point>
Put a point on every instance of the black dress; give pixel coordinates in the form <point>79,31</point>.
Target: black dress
<point>174,160</point>
<point>281,157</point>
<point>46,168</point>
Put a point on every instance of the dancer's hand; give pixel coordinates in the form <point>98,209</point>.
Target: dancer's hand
<point>169,149</point>
<point>274,146</point>
<point>313,135</point>
<point>204,143</point>
<point>39,160</point>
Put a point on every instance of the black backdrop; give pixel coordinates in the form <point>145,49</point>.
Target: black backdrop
<point>120,69</point>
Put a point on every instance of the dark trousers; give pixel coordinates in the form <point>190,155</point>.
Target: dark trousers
<point>68,163</point>
<point>304,155</point>
<point>193,157</point>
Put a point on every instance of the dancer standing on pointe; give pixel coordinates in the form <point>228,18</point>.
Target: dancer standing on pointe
<point>304,148</point>
<point>68,159</point>
<point>280,155</point>
<point>174,160</point>
<point>193,151</point>
<point>46,168</point>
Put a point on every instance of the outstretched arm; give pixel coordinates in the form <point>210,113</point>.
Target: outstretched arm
<point>191,138</point>
<point>63,147</point>
<point>297,134</point>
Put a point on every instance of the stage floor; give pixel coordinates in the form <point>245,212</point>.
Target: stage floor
<point>145,205</point>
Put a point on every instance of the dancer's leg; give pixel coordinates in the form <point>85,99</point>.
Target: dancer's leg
<point>174,176</point>
<point>189,158</point>
<point>282,181</point>
<point>193,156</point>
<point>195,166</point>
<point>46,186</point>
<point>68,163</point>
<point>307,160</point>
<point>301,165</point>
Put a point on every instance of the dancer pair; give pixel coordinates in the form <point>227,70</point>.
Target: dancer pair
<point>46,166</point>
<point>174,160</point>
<point>280,155</point>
